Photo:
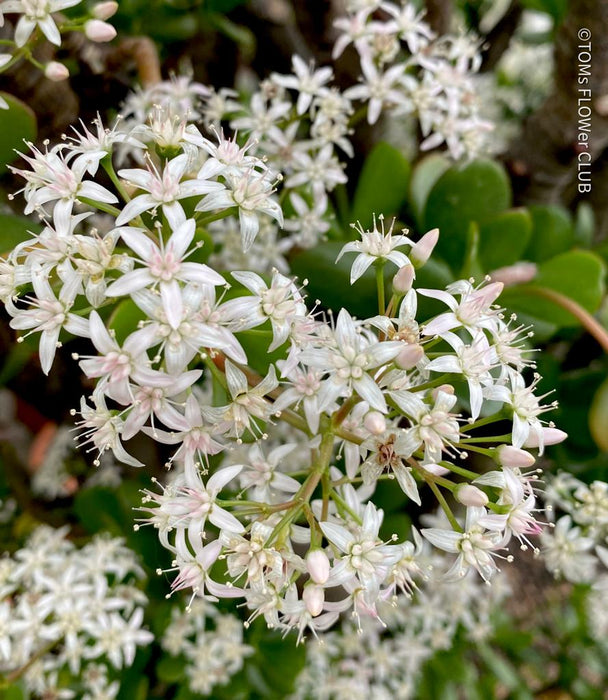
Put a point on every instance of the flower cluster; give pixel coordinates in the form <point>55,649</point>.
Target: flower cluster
<point>520,83</point>
<point>300,124</point>
<point>434,83</point>
<point>373,661</point>
<point>70,617</point>
<point>36,19</point>
<point>397,396</point>
<point>577,547</point>
<point>282,420</point>
<point>211,642</point>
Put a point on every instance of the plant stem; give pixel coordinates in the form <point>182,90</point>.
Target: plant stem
<point>304,494</point>
<point>18,673</point>
<point>589,323</point>
<point>335,496</point>
<point>218,375</point>
<point>443,379</point>
<point>459,470</point>
<point>444,505</point>
<point>380,286</point>
<point>480,450</point>
<point>485,421</point>
<point>325,483</point>
<point>492,438</point>
<point>205,220</point>
<point>109,168</point>
<point>344,410</point>
<point>360,114</point>
<point>102,206</point>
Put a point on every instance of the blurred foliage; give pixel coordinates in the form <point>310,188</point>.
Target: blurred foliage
<point>174,21</point>
<point>17,124</point>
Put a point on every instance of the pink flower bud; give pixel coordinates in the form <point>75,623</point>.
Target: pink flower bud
<point>435,469</point>
<point>374,422</point>
<point>470,495</point>
<point>489,293</point>
<point>99,31</point>
<point>313,597</point>
<point>410,356</point>
<point>551,436</point>
<point>519,273</point>
<point>445,388</point>
<point>317,565</point>
<point>104,10</point>
<point>402,281</point>
<point>510,456</point>
<point>422,250</point>
<point>56,71</point>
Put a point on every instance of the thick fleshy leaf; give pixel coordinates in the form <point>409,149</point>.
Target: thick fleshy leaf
<point>382,186</point>
<point>473,193</point>
<point>424,176</point>
<point>577,274</point>
<point>17,124</point>
<point>598,417</point>
<point>584,225</point>
<point>504,238</point>
<point>552,232</point>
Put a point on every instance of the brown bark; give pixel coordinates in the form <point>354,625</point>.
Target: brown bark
<point>498,38</point>
<point>439,15</point>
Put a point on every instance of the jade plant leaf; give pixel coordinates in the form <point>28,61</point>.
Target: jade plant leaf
<point>464,194</point>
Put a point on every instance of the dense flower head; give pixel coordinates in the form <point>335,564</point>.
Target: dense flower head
<point>35,19</point>
<point>283,419</point>
<point>75,609</point>
<point>364,400</point>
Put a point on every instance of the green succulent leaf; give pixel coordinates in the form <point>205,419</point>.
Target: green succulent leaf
<point>17,123</point>
<point>463,194</point>
<point>577,274</point>
<point>598,416</point>
<point>424,176</point>
<point>504,238</point>
<point>584,225</point>
<point>552,232</point>
<point>383,184</point>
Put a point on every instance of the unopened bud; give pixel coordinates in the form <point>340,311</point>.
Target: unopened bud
<point>510,456</point>
<point>470,495</point>
<point>435,469</point>
<point>317,565</point>
<point>403,280</point>
<point>56,71</point>
<point>410,356</point>
<point>99,31</point>
<point>313,597</point>
<point>520,273</point>
<point>445,388</point>
<point>551,436</point>
<point>421,251</point>
<point>104,10</point>
<point>375,422</point>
